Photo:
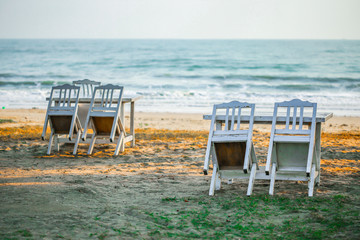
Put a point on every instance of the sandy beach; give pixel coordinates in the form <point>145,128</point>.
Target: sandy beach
<point>157,190</point>
<point>169,121</point>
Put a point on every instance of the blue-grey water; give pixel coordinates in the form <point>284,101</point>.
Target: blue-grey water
<point>188,75</point>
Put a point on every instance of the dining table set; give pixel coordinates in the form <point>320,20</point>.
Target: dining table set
<point>90,111</point>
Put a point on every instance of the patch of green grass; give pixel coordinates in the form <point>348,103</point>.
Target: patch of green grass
<point>124,231</point>
<point>102,236</point>
<point>25,233</point>
<point>262,216</point>
<point>226,216</point>
<point>169,199</point>
<point>6,121</point>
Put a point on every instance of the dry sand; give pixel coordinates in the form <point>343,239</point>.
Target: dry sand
<point>101,196</point>
<point>170,121</point>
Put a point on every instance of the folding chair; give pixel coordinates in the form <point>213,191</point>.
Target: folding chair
<point>104,116</point>
<point>86,91</point>
<point>231,147</point>
<point>87,87</point>
<point>62,114</point>
<point>291,149</point>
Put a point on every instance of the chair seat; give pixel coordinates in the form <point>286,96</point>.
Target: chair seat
<point>60,113</point>
<point>230,155</point>
<point>103,125</point>
<point>292,169</point>
<point>292,139</point>
<point>229,138</point>
<point>61,124</point>
<point>102,114</point>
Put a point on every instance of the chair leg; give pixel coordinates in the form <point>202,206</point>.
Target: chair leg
<point>207,157</point>
<point>50,142</point>
<point>56,143</point>
<point>317,179</point>
<point>312,181</point>
<point>92,143</point>
<point>76,142</point>
<point>251,179</point>
<point>217,181</point>
<point>122,145</point>
<point>213,179</point>
<point>119,144</point>
<point>272,181</point>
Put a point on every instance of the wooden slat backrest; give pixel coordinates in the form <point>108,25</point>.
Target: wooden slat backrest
<point>107,98</point>
<point>63,100</point>
<point>294,116</point>
<point>233,112</point>
<point>293,131</point>
<point>233,115</point>
<point>63,97</point>
<point>87,86</point>
<point>106,102</point>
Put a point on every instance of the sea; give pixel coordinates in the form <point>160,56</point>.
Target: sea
<point>187,76</point>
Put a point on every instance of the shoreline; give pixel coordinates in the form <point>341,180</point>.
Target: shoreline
<point>166,120</point>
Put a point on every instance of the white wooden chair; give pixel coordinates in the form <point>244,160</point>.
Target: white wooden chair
<point>231,147</point>
<point>104,116</point>
<point>86,91</point>
<point>62,114</point>
<point>86,87</point>
<point>291,149</point>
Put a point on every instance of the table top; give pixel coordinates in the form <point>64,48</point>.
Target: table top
<point>266,118</point>
<point>125,99</point>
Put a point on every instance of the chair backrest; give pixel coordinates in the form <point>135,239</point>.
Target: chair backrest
<point>64,98</point>
<point>295,152</point>
<point>104,110</point>
<point>107,98</point>
<point>234,112</point>
<point>295,113</point>
<point>87,86</point>
<point>62,110</point>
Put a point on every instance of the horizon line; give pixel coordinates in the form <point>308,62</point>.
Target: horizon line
<point>295,39</point>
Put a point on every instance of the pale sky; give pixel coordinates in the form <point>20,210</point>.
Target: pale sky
<point>194,19</point>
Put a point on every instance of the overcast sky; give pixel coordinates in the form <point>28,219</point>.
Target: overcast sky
<point>213,19</point>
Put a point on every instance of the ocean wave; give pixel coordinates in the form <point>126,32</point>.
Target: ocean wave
<point>268,78</point>
<point>174,76</point>
<point>14,75</point>
<point>353,87</point>
<point>34,76</point>
<point>301,87</point>
<point>32,83</point>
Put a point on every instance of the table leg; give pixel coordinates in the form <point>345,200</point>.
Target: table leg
<point>122,116</point>
<point>318,150</point>
<point>132,123</point>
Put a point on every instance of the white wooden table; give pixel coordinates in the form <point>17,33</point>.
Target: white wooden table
<point>84,104</point>
<point>266,118</point>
